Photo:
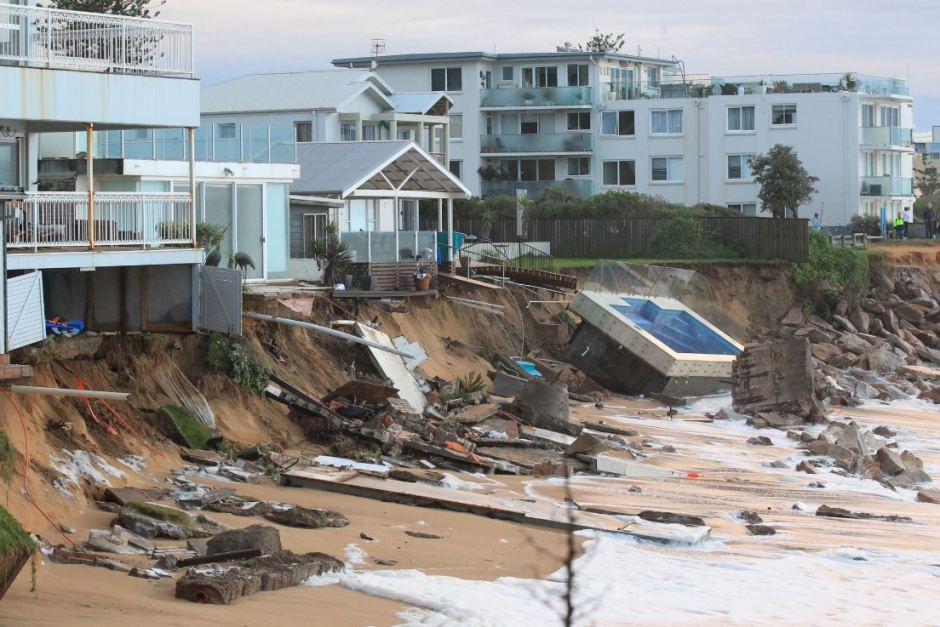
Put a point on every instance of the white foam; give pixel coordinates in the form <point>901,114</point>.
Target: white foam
<point>355,555</point>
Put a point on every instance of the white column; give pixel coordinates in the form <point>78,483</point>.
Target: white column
<point>450,230</point>
<point>192,183</point>
<point>440,214</point>
<point>393,129</point>
<point>420,136</point>
<point>445,144</point>
<point>395,202</point>
<point>32,162</point>
<point>90,164</point>
<point>417,225</point>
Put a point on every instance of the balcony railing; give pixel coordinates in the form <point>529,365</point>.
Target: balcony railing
<point>60,220</point>
<point>887,186</point>
<point>534,189</point>
<point>521,97</point>
<point>214,142</point>
<point>536,143</point>
<point>887,136</point>
<point>92,42</point>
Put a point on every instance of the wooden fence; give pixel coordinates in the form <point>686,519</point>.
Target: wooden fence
<point>626,238</point>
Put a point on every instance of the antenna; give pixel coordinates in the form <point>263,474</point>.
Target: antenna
<point>378,47</point>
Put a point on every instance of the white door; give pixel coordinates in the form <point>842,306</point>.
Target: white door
<point>26,316</point>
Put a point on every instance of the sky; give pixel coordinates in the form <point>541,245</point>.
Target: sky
<point>899,39</point>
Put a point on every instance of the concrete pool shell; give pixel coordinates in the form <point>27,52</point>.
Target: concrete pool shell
<point>662,332</point>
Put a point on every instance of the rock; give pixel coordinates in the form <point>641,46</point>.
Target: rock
<point>825,352</point>
<point>890,322</point>
<point>910,313</point>
<point>776,420</point>
<point>876,327</point>
<point>307,518</point>
<point>845,361</point>
<point>761,530</point>
<point>794,318</point>
<point>929,496</point>
<point>883,360</point>
<point>844,323</point>
<point>805,466</point>
<point>240,507</point>
<point>588,444</point>
<point>819,447</point>
<point>852,343</point>
<point>815,335</point>
<point>839,512</point>
<point>366,537</point>
<point>932,395</point>
<point>860,320</point>
<point>263,537</point>
<point>778,463</point>
<point>819,485</point>
<point>726,413</point>
<point>422,535</point>
<point>890,462</point>
<point>882,280</point>
<point>928,354</point>
<point>865,392</point>
<point>872,306</point>
<point>871,469</point>
<point>885,432</point>
<point>669,448</point>
<point>153,528</point>
<point>671,518</point>
<point>760,440</point>
<point>752,518</point>
<point>635,489</point>
<point>382,562</point>
<point>68,530</point>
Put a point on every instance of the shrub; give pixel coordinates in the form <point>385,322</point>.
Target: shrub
<point>831,273</point>
<point>210,236</point>
<point>227,355</point>
<point>870,224</point>
<point>683,237</point>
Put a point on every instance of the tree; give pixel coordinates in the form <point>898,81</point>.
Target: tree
<point>784,182</point>
<point>604,42</point>
<point>928,181</point>
<point>131,8</point>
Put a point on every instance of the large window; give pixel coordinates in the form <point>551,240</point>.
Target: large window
<point>579,166</point>
<point>579,121</point>
<point>578,75</point>
<point>303,132</point>
<point>738,168</point>
<point>529,125</point>
<point>226,131</point>
<point>369,132</point>
<point>536,169</point>
<point>783,115</point>
<point>741,118</point>
<point>890,116</point>
<point>666,122</point>
<point>652,76</point>
<point>540,76</point>
<point>620,123</point>
<point>620,173</point>
<point>347,132</point>
<point>8,173</point>
<point>456,168</point>
<point>667,169</point>
<point>507,72</point>
<point>868,115</point>
<point>446,79</point>
<point>456,126</point>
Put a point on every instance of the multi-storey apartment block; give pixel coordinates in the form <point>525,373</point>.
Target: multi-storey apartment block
<point>593,122</point>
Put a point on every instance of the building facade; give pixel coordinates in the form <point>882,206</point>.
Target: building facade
<point>596,122</point>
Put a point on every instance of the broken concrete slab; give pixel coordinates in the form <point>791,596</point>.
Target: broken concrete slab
<point>622,464</point>
<point>776,377</point>
<point>307,518</point>
<point>124,496</point>
<point>392,366</point>
<point>263,537</point>
<point>544,404</point>
<point>507,385</point>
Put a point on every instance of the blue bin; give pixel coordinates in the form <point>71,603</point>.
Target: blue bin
<point>443,242</point>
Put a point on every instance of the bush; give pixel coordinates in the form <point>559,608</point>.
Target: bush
<point>870,224</point>
<point>227,355</point>
<point>683,237</point>
<point>831,273</point>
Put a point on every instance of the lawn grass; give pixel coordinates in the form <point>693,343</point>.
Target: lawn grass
<point>188,426</point>
<point>12,535</point>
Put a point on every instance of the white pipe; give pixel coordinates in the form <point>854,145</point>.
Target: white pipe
<point>109,396</point>
<point>327,331</point>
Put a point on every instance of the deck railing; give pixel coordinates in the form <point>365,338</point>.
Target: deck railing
<point>93,42</point>
<point>61,219</point>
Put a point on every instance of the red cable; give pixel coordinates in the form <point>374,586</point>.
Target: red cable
<point>108,428</point>
<point>26,469</point>
<point>83,386</point>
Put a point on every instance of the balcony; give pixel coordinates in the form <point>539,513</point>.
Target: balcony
<point>563,143</point>
<point>535,97</point>
<point>582,188</point>
<point>214,143</point>
<point>887,186</point>
<point>91,42</point>
<point>60,220</point>
<point>887,136</point>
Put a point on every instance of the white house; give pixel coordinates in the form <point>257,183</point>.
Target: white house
<point>593,122</point>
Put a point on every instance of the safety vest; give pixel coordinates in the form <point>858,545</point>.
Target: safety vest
<point>899,221</point>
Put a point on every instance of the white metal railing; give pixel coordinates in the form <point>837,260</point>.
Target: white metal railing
<point>60,220</point>
<point>74,40</point>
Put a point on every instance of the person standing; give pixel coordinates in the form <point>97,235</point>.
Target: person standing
<point>898,225</point>
<point>816,222</point>
<point>929,222</point>
<point>908,219</point>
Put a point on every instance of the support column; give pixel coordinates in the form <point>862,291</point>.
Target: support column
<point>420,136</point>
<point>445,144</point>
<point>450,230</point>
<point>417,226</point>
<point>393,129</point>
<point>32,162</point>
<point>192,185</point>
<point>440,214</point>
<point>359,129</point>
<point>90,168</point>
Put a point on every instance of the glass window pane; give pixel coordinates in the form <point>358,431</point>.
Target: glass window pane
<point>734,119</point>
<point>438,82</point>
<point>454,79</point>
<point>528,169</point>
<point>658,169</point>
<point>626,125</point>
<point>507,73</point>
<point>456,126</point>
<point>628,173</point>
<point>676,169</point>
<point>278,229</point>
<point>8,163</point>
<point>248,226</point>
<point>546,169</point>
<point>734,166</point>
<point>658,122</point>
<point>675,121</point>
<point>552,76</point>
<point>747,118</point>
<point>609,123</point>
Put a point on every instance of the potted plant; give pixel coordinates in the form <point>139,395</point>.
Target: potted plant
<point>209,237</point>
<point>848,82</point>
<point>331,254</point>
<point>422,279</point>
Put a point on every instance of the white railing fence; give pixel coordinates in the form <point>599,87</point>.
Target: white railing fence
<point>73,40</point>
<point>60,220</point>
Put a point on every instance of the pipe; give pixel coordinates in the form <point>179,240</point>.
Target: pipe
<point>327,331</point>
<point>29,389</point>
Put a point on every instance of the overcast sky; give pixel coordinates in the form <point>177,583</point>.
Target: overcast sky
<point>895,38</point>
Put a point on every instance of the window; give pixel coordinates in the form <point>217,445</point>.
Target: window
<point>347,132</point>
<point>456,168</point>
<point>666,122</point>
<point>313,228</point>
<point>869,164</point>
<point>507,72</point>
<point>620,123</point>
<point>652,77</point>
<point>579,121</point>
<point>536,169</point>
<point>303,132</point>
<point>578,75</point>
<point>486,79</point>
<point>529,125</point>
<point>368,132</point>
<point>620,173</point>
<point>446,79</point>
<point>579,166</point>
<point>868,115</point>
<point>745,208</point>
<point>8,164</point>
<point>667,169</point>
<point>226,131</point>
<point>456,126</point>
<point>783,115</point>
<point>890,116</point>
<point>541,76</point>
<point>739,168</point>
<point>741,118</point>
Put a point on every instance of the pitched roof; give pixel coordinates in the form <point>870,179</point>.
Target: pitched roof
<point>343,168</point>
<point>419,102</point>
<point>292,91</point>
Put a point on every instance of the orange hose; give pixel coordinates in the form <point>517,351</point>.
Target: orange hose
<point>29,495</point>
<point>108,428</point>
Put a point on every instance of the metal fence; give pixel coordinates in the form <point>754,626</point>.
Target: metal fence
<point>631,238</point>
<point>73,40</point>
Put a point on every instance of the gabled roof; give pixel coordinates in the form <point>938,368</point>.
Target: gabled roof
<point>293,91</point>
<point>377,168</point>
<point>421,102</point>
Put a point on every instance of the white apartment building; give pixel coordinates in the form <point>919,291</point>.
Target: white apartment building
<point>595,122</point>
